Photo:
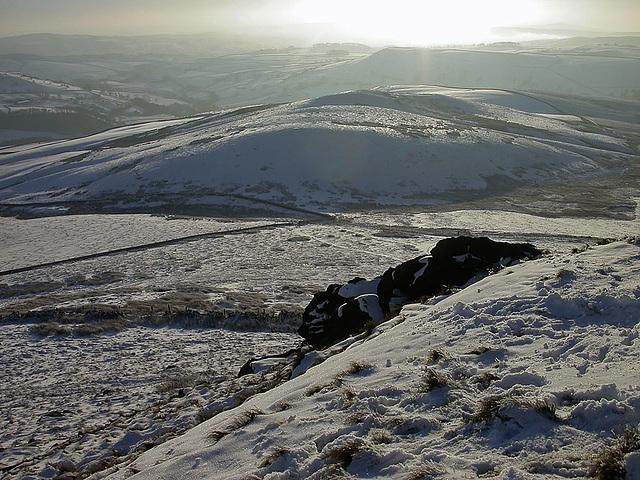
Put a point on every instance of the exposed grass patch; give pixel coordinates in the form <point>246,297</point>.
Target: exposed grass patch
<point>425,472</point>
<point>96,328</point>
<point>361,416</point>
<point>348,397</point>
<point>410,425</point>
<point>272,456</point>
<point>50,328</point>
<point>543,407</point>
<point>435,356</point>
<point>487,411</point>
<point>479,351</point>
<point>177,382</point>
<point>493,407</point>
<point>241,420</point>
<point>342,455</point>
<point>432,380</point>
<point>244,419</point>
<point>358,367</point>
<point>381,435</point>
<point>332,385</point>
<point>282,406</point>
<point>485,379</point>
<point>609,464</point>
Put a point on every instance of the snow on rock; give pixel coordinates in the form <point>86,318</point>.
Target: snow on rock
<point>343,310</point>
<point>528,373</point>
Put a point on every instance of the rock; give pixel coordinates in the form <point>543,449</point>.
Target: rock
<point>268,362</point>
<point>344,310</point>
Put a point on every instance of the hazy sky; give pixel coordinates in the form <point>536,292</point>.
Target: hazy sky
<point>398,21</point>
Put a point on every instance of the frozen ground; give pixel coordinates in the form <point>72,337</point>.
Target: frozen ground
<point>87,400</point>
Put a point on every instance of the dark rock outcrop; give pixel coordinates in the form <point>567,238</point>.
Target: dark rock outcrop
<point>344,310</point>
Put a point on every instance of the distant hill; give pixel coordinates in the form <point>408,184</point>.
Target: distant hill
<point>395,146</point>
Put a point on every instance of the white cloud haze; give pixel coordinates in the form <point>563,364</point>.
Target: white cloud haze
<point>402,21</point>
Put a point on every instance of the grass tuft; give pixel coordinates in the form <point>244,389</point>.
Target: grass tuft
<point>435,356</point>
<point>348,397</point>
<point>335,383</point>
<point>244,419</point>
<point>609,464</point>
<point>433,380</point>
<point>491,407</point>
<point>426,472</point>
<point>240,421</point>
<point>484,380</point>
<point>381,435</point>
<point>358,367</point>
<point>344,453</point>
<point>272,456</point>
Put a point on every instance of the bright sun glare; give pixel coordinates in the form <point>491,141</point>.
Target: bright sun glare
<point>418,22</point>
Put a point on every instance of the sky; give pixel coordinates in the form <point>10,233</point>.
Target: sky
<point>385,22</point>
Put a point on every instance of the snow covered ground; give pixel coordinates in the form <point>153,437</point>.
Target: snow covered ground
<point>529,373</point>
<point>137,386</point>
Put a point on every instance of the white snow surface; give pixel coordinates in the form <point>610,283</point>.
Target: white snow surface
<point>549,347</point>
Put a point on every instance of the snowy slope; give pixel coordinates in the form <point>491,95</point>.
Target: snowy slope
<point>530,373</point>
<point>395,146</point>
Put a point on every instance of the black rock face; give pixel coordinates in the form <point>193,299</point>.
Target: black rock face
<point>344,310</point>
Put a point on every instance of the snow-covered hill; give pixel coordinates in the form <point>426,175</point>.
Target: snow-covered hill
<point>531,373</point>
<point>392,146</point>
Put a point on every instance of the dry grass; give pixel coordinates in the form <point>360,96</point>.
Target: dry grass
<point>609,464</point>
<point>272,456</point>
<point>83,329</point>
<point>342,455</point>
<point>426,472</point>
<point>326,387</point>
<point>492,407</point>
<point>177,382</point>
<point>362,416</point>
<point>381,435</point>
<point>241,420</point>
<point>348,397</point>
<point>484,380</point>
<point>358,367</point>
<point>244,419</point>
<point>432,380</point>
<point>435,356</point>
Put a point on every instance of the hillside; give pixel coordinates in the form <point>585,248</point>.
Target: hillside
<point>383,147</point>
<point>529,373</point>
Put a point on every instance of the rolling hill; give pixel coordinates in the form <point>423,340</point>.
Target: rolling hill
<point>396,146</point>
